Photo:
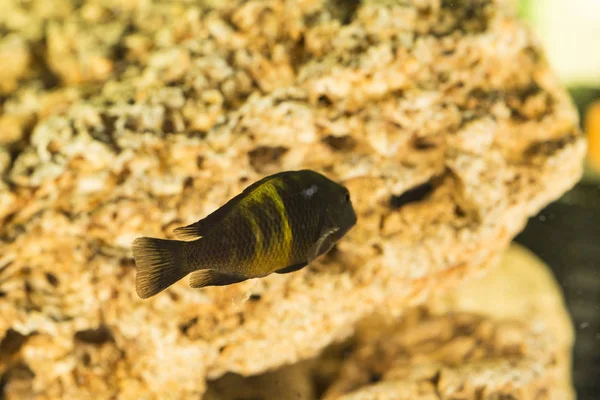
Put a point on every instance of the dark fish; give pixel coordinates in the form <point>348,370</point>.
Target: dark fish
<point>278,224</point>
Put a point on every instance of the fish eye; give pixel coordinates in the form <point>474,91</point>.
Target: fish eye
<point>347,197</point>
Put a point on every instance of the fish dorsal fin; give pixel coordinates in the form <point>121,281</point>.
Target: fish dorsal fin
<point>201,228</point>
<point>263,180</point>
<point>193,231</point>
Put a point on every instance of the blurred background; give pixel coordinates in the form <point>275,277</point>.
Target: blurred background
<point>566,234</point>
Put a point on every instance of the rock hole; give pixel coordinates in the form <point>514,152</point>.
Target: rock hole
<point>3,381</point>
<point>199,162</point>
<point>459,212</point>
<point>408,164</point>
<point>378,249</point>
<point>375,377</point>
<point>123,175</point>
<point>470,18</point>
<point>49,79</point>
<point>188,182</point>
<point>413,195</point>
<point>17,372</point>
<point>340,143</point>
<point>52,279</point>
<point>324,101</point>
<point>549,147</point>
<point>525,92</point>
<point>435,381</point>
<point>195,133</point>
<point>436,378</point>
<point>422,144</point>
<point>479,393</point>
<point>185,327</point>
<point>106,133</point>
<point>168,125</point>
<point>297,54</point>
<point>11,343</point>
<point>126,262</point>
<point>264,156</point>
<point>132,123</point>
<point>345,10</point>
<point>86,359</point>
<point>255,297</point>
<point>8,264</point>
<point>97,336</point>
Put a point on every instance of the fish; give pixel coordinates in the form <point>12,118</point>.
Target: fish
<point>279,224</point>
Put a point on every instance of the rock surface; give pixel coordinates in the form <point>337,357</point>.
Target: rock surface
<point>507,335</point>
<point>120,119</point>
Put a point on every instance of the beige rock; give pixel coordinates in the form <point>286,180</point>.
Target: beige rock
<point>507,334</point>
<point>11,130</point>
<point>15,57</point>
<point>383,98</point>
<point>293,382</point>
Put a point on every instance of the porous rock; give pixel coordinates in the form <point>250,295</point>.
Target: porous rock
<point>507,335</point>
<point>442,118</point>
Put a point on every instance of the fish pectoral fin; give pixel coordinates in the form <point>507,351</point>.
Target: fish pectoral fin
<point>291,268</point>
<point>323,244</point>
<point>209,277</point>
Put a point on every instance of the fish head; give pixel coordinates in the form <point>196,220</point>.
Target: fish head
<point>334,197</point>
<point>340,210</point>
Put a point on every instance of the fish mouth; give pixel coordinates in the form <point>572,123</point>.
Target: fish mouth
<point>346,229</point>
<point>354,219</point>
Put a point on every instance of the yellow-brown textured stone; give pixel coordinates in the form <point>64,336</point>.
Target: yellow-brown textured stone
<point>506,335</point>
<point>445,122</point>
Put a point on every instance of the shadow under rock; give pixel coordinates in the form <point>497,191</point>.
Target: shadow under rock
<point>566,236</point>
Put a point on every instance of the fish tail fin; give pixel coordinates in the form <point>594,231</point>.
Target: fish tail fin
<point>159,263</point>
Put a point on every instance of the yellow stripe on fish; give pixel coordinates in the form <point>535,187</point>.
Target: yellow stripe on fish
<point>280,248</point>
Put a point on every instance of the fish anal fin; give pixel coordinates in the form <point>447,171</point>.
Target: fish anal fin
<point>209,277</point>
<point>291,268</point>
